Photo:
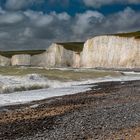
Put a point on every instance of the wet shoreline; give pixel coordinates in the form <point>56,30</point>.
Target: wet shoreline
<point>101,113</point>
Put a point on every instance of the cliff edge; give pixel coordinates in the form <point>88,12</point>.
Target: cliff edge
<point>111,52</point>
<point>118,51</point>
<point>58,55</point>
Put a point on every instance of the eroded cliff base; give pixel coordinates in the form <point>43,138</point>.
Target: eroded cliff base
<point>108,111</point>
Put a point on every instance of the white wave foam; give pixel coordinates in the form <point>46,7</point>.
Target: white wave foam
<point>10,84</point>
<point>132,73</point>
<point>56,88</point>
<point>28,96</point>
<point>19,83</point>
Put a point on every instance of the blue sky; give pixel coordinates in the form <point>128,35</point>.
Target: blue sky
<point>77,6</point>
<point>28,24</point>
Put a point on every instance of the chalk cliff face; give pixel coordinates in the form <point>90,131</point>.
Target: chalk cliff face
<point>111,52</point>
<point>101,51</point>
<point>21,60</point>
<point>76,60</point>
<point>45,59</point>
<point>4,61</point>
<point>56,56</point>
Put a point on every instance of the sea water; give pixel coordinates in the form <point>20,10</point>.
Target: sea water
<point>33,87</point>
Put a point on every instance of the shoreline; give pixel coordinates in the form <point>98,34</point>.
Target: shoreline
<point>69,88</point>
<point>101,113</point>
<point>120,69</point>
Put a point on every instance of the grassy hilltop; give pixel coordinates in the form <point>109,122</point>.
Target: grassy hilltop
<point>11,53</point>
<point>131,34</point>
<point>78,46</point>
<point>73,46</point>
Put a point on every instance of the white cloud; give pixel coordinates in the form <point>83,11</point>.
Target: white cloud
<point>61,16</point>
<point>99,3</point>
<point>32,14</point>
<point>1,11</point>
<point>11,18</point>
<point>83,21</point>
<point>44,20</point>
<point>38,18</point>
<point>125,20</point>
<point>32,29</point>
<point>19,4</point>
<point>27,32</point>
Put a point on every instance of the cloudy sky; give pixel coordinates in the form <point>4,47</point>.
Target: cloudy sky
<point>35,24</point>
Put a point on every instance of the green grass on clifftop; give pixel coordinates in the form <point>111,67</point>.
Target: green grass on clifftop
<point>11,53</point>
<point>131,34</point>
<point>73,46</point>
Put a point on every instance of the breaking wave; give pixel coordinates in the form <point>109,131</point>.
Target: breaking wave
<point>9,84</point>
<point>51,88</point>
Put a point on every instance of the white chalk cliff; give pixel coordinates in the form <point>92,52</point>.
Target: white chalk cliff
<point>56,56</point>
<point>100,51</point>
<point>21,60</point>
<point>111,52</point>
<point>4,61</point>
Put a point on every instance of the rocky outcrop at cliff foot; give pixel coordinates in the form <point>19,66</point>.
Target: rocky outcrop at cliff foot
<point>21,60</point>
<point>111,52</point>
<point>4,61</point>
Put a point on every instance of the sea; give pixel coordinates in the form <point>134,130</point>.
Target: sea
<point>21,89</point>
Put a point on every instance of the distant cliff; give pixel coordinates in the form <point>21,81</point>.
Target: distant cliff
<point>57,55</point>
<point>21,60</point>
<point>18,58</point>
<point>111,52</point>
<point>108,51</point>
<point>4,61</point>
